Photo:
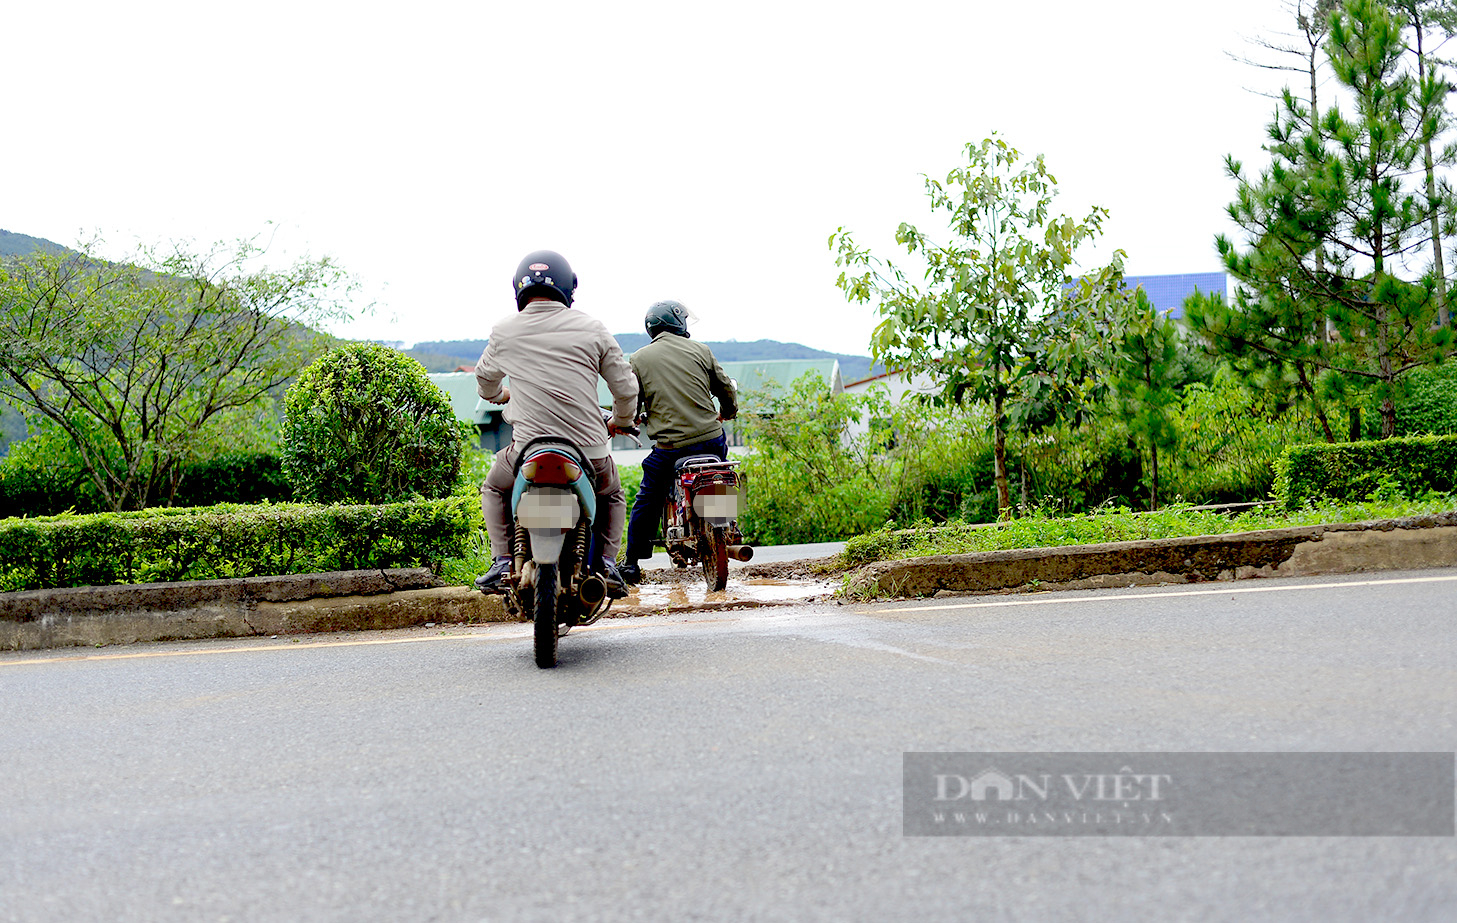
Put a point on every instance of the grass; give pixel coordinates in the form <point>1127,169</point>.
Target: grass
<point>1117,525</point>
<point>1039,530</point>
<point>477,560</point>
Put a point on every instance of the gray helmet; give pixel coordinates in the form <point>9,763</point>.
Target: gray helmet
<point>668,316</point>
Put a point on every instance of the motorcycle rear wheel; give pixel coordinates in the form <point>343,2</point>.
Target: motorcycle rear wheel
<point>544,634</point>
<point>715,560</point>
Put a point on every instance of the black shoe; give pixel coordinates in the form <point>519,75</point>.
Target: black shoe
<point>490,581</point>
<point>631,573</point>
<point>616,589</point>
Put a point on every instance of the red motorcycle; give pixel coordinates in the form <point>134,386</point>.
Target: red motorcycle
<point>700,517</point>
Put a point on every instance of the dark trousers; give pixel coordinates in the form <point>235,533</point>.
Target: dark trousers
<point>657,482</point>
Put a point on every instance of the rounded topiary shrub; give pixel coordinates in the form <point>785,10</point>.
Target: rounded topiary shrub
<point>365,424</point>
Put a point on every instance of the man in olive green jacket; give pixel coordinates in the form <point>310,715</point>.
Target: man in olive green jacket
<point>679,381</point>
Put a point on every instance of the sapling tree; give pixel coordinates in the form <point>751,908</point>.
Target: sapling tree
<point>986,290</point>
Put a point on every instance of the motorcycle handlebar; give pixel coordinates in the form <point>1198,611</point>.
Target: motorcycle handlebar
<point>631,431</point>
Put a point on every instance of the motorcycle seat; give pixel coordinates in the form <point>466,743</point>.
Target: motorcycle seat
<point>555,444</point>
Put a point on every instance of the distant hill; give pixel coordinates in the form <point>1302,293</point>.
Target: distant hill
<point>448,355</point>
<point>12,244</point>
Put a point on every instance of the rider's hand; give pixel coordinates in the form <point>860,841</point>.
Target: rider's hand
<point>505,396</point>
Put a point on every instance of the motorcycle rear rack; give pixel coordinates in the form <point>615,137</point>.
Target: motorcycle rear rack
<point>716,464</point>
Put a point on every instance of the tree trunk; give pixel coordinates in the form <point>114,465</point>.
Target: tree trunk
<point>1434,222</point>
<point>1153,492</point>
<point>999,453</point>
<point>1309,389</point>
<point>1330,324</point>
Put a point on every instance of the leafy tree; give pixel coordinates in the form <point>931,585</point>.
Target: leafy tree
<point>1271,335</point>
<point>139,365</point>
<point>364,424</point>
<point>987,291</point>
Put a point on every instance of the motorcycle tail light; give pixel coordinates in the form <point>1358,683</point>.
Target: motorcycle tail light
<point>550,468</point>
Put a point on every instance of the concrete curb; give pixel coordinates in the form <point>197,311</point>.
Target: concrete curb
<point>342,601</point>
<point>1393,544</point>
<point>373,600</point>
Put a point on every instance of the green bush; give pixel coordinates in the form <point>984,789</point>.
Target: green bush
<point>163,545</point>
<point>365,424</point>
<point>44,474</point>
<point>943,464</point>
<point>34,482</point>
<point>807,481</point>
<point>237,477</point>
<point>1229,441</point>
<point>27,491</point>
<point>1426,406</point>
<point>1408,467</point>
<point>631,478</point>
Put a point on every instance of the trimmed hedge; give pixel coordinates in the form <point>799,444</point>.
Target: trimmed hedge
<point>165,545</point>
<point>1353,471</point>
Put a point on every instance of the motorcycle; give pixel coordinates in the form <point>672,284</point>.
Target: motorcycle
<point>700,517</point>
<point>553,508</point>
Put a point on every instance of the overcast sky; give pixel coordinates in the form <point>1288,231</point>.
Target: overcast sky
<point>703,152</point>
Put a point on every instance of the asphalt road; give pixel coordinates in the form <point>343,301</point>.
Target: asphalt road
<point>738,765</point>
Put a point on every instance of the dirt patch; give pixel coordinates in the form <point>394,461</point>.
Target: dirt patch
<point>807,569</point>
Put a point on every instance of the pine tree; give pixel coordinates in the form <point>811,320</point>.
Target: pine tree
<point>1335,230</point>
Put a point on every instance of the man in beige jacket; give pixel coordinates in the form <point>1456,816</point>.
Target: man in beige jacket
<point>554,356</point>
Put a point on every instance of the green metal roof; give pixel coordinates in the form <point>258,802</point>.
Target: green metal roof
<point>753,375</point>
<point>460,387</point>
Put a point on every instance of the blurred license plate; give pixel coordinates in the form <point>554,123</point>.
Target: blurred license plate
<point>548,508</point>
<point>716,506</point>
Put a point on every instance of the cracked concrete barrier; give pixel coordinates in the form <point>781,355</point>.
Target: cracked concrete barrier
<point>1396,544</point>
<point>342,601</point>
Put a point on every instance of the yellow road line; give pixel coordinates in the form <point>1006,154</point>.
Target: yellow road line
<point>293,645</point>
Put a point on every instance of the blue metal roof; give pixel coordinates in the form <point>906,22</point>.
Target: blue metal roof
<point>1168,292</point>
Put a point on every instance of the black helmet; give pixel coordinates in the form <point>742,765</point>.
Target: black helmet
<point>544,273</point>
<point>668,316</point>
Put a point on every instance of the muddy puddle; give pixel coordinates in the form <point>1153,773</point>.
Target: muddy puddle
<point>667,591</point>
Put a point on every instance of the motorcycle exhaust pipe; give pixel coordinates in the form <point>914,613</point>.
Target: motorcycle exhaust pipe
<point>592,591</point>
<point>741,552</point>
